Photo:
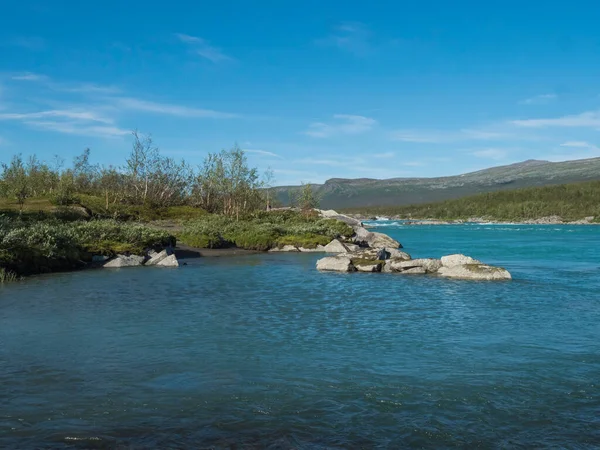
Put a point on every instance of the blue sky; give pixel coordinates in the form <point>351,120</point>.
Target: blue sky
<point>313,89</point>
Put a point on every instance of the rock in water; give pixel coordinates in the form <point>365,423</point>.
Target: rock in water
<point>430,265</point>
<point>414,271</point>
<point>378,240</point>
<point>395,253</point>
<point>475,272</point>
<point>373,239</point>
<point>336,246</point>
<point>365,267</point>
<point>336,263</point>
<point>458,260</point>
<point>125,261</point>
<point>155,258</point>
<point>169,261</point>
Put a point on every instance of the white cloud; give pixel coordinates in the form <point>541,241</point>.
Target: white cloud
<point>590,119</point>
<point>579,144</point>
<point>543,99</point>
<point>29,76</point>
<point>77,128</point>
<point>170,109</point>
<point>262,152</point>
<point>71,87</point>
<point>67,114</point>
<point>438,137</point>
<point>203,48</point>
<point>345,124</point>
<point>491,153</point>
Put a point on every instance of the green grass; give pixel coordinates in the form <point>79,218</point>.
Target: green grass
<point>569,201</point>
<point>34,246</point>
<point>262,231</point>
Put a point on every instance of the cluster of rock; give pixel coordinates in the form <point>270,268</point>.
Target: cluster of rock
<point>362,238</point>
<point>451,266</point>
<point>165,258</point>
<point>376,252</point>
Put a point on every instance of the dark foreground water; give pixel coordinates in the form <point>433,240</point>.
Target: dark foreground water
<point>262,351</point>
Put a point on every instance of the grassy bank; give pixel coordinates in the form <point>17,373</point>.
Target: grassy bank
<point>568,201</point>
<point>263,230</point>
<point>29,245</point>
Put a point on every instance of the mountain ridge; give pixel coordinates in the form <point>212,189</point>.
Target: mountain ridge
<point>366,192</point>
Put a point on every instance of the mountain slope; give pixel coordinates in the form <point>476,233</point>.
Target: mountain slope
<point>363,192</point>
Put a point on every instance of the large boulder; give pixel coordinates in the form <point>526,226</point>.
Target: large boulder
<point>331,214</point>
<point>155,257</point>
<point>169,261</point>
<point>414,271</point>
<point>125,261</point>
<point>475,272</point>
<point>373,239</point>
<point>336,246</point>
<point>458,260</point>
<point>338,263</point>
<point>430,265</point>
<point>394,253</point>
<point>380,240</point>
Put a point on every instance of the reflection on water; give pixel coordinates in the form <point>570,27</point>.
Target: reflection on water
<point>262,351</point>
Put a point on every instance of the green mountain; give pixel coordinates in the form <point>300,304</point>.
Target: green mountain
<point>366,192</point>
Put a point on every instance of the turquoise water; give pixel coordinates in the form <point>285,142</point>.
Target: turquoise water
<point>262,351</point>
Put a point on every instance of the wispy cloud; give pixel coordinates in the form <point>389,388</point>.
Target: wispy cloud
<point>344,124</point>
<point>589,119</point>
<point>202,47</point>
<point>170,109</point>
<point>439,137</point>
<point>543,99</point>
<point>580,144</point>
<point>353,37</point>
<point>69,87</point>
<point>263,153</point>
<point>491,153</point>
<point>55,113</point>
<point>77,128</point>
<point>29,76</point>
<point>571,150</point>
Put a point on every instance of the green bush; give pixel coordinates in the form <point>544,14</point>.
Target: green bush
<point>263,230</point>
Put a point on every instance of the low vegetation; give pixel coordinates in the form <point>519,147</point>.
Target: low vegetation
<point>263,230</point>
<point>56,218</point>
<point>30,245</point>
<point>568,201</point>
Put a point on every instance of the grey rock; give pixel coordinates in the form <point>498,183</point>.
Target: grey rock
<point>338,263</point>
<point>475,272</point>
<point>336,246</point>
<point>100,258</point>
<point>155,257</point>
<point>458,260</point>
<point>368,267</point>
<point>125,261</point>
<point>169,261</point>
<point>429,264</point>
<point>414,271</point>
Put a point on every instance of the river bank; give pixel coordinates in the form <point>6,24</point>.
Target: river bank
<point>551,220</point>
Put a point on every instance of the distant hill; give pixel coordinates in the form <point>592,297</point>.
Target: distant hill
<point>366,192</point>
<point>574,201</point>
